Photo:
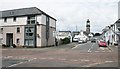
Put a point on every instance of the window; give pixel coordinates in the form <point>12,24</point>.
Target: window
<point>30,34</point>
<point>18,30</point>
<point>18,41</point>
<point>14,19</point>
<point>5,19</point>
<point>27,34</point>
<point>29,42</point>
<point>1,30</point>
<point>31,19</point>
<point>26,42</point>
<point>29,31</point>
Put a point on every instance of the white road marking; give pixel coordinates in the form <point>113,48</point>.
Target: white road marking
<point>116,46</point>
<point>76,46</point>
<point>102,48</point>
<point>21,62</point>
<point>90,48</point>
<point>108,61</point>
<point>97,51</point>
<point>62,49</point>
<point>32,59</point>
<point>74,60</point>
<point>109,48</point>
<point>7,57</point>
<point>43,58</point>
<point>90,65</point>
<point>15,64</point>
<point>93,64</point>
<point>85,60</point>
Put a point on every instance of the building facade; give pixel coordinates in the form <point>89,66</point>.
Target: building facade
<point>28,27</point>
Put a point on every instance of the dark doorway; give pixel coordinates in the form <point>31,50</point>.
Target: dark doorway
<point>9,39</point>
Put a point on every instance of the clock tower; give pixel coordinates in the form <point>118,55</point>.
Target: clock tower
<point>88,26</point>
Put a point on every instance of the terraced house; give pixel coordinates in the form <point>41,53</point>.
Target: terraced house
<point>28,27</point>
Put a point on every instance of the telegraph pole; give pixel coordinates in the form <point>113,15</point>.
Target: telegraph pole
<point>76,27</point>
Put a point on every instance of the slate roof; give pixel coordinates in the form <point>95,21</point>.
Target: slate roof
<point>22,12</point>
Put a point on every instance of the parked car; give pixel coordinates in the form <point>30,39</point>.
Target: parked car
<point>116,43</point>
<point>102,44</point>
<point>82,39</point>
<point>75,39</point>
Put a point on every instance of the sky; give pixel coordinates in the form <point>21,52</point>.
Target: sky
<point>72,13</point>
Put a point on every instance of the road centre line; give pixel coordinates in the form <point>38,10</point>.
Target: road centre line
<point>91,48</point>
<point>109,48</point>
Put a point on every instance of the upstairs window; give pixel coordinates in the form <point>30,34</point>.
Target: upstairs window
<point>14,19</point>
<point>31,19</point>
<point>5,19</point>
<point>18,29</point>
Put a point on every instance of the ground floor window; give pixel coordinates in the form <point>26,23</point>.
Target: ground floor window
<point>29,42</point>
<point>18,41</point>
<point>26,42</point>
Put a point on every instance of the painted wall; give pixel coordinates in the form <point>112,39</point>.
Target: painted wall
<point>13,29</point>
<point>43,19</point>
<point>51,40</point>
<point>42,31</point>
<point>19,21</point>
<point>52,23</point>
<point>39,36</point>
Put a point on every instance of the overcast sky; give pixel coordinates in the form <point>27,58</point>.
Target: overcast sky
<point>70,13</point>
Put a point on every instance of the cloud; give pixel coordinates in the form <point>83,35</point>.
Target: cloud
<point>70,13</point>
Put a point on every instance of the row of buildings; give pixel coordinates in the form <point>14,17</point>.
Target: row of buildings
<point>112,33</point>
<point>29,27</point>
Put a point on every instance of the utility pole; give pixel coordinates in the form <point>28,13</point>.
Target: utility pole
<point>76,27</point>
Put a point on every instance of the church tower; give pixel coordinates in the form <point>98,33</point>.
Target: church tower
<point>88,27</point>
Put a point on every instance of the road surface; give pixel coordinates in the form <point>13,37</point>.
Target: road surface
<point>70,55</point>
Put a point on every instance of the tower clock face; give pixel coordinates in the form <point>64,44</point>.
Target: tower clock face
<point>88,23</point>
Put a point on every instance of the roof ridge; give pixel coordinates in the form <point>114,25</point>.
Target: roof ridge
<point>19,9</point>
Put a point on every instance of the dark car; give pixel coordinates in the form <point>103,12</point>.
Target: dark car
<point>93,40</point>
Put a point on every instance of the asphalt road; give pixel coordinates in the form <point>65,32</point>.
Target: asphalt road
<point>70,55</point>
